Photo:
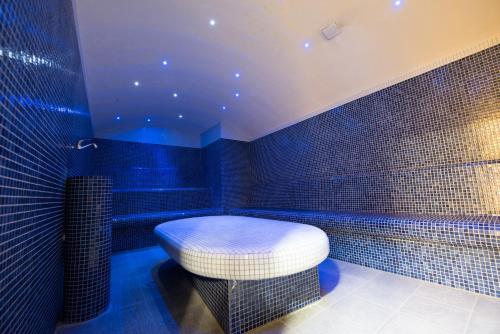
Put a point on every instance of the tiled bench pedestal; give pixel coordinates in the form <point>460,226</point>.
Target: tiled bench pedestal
<point>240,306</point>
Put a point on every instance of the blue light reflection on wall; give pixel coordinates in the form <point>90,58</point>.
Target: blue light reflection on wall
<point>27,101</point>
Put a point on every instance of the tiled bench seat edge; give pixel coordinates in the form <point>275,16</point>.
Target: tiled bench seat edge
<point>461,252</point>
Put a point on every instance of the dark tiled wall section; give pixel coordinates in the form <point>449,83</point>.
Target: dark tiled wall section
<point>430,144</point>
<point>139,165</point>
<point>151,178</point>
<point>212,166</point>
<point>227,167</point>
<point>43,110</point>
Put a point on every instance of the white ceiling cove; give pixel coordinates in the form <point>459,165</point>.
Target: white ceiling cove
<point>281,81</point>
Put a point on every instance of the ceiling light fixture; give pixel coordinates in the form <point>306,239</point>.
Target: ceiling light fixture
<point>118,118</point>
<point>175,95</point>
<point>398,3</point>
<point>236,75</point>
<point>224,108</point>
<point>136,83</point>
<point>306,45</point>
<point>165,63</point>
<point>148,120</point>
<point>236,94</point>
<point>213,22</point>
<point>180,116</point>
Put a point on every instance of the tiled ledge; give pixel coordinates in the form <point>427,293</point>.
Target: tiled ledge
<point>473,231</point>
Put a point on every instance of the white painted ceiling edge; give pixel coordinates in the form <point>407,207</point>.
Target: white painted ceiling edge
<point>282,83</point>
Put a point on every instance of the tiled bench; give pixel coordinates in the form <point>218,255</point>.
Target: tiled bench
<point>136,230</point>
<point>462,252</point>
<point>248,271</point>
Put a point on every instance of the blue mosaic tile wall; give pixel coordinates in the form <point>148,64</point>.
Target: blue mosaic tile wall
<point>43,110</point>
<point>430,144</point>
<point>151,184</point>
<point>404,180</point>
<point>227,171</point>
<point>212,166</point>
<point>150,178</point>
<point>138,165</point>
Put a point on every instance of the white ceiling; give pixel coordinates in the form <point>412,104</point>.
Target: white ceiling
<point>281,82</point>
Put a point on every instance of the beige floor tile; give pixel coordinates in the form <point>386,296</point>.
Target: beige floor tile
<point>388,290</point>
<point>302,316</point>
<point>439,314</point>
<point>345,286</point>
<point>447,295</point>
<point>367,315</point>
<point>275,327</point>
<point>403,323</point>
<point>485,317</point>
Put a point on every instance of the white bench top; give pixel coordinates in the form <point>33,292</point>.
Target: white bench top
<point>242,248</point>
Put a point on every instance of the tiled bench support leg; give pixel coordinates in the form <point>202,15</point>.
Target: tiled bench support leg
<point>87,248</point>
<point>240,306</point>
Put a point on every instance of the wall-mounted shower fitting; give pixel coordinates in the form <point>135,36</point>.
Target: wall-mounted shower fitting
<point>80,145</point>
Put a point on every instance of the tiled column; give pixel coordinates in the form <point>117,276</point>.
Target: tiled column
<point>87,254</point>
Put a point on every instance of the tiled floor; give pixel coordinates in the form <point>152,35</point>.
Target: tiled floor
<point>150,294</point>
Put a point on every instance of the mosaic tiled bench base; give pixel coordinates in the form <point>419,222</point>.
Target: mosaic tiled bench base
<point>136,230</point>
<point>461,252</point>
<point>240,306</point>
<point>87,248</point>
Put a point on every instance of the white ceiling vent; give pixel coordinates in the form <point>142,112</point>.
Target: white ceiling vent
<point>331,31</point>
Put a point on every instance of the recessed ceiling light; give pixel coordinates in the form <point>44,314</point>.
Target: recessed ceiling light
<point>213,22</point>
<point>175,95</point>
<point>307,45</point>
<point>180,116</point>
<point>118,118</point>
<point>236,94</point>
<point>224,108</point>
<point>148,120</point>
<point>237,75</point>
<point>136,83</point>
<point>165,63</point>
<point>398,3</point>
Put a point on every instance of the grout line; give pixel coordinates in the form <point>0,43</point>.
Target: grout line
<point>470,315</point>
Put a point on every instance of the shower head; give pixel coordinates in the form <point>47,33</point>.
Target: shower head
<point>80,145</point>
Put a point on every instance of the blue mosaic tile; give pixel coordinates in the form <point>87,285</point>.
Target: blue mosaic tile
<point>152,184</point>
<point>43,111</point>
<point>240,306</point>
<point>405,179</point>
<point>428,145</point>
<point>227,169</point>
<point>87,247</point>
